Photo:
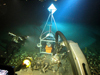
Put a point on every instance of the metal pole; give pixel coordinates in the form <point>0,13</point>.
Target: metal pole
<point>50,24</point>
<point>45,25</point>
<point>55,22</point>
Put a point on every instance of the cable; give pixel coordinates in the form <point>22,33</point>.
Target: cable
<point>75,72</point>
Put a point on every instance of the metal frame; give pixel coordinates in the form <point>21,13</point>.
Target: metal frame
<point>49,35</point>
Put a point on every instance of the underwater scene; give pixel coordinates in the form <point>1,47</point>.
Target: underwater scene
<point>50,37</point>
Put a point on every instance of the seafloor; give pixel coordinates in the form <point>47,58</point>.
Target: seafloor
<point>87,39</point>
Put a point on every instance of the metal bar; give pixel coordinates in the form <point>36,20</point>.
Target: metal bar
<point>45,24</point>
<point>46,53</point>
<point>51,23</point>
<point>48,40</point>
<point>55,22</point>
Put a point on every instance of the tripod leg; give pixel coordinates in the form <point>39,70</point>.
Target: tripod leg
<point>55,22</point>
<point>45,24</point>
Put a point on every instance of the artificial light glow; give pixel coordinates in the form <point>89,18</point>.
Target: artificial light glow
<point>55,0</point>
<point>26,62</point>
<point>52,8</point>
